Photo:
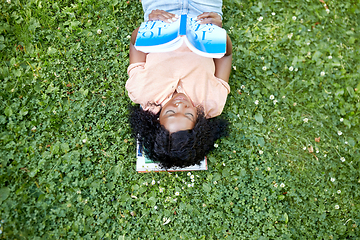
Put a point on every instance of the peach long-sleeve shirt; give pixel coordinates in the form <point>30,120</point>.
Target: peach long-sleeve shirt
<point>156,80</point>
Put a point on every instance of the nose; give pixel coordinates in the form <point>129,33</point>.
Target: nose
<point>181,104</point>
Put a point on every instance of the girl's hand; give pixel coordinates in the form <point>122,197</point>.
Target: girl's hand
<point>210,17</point>
<point>162,15</point>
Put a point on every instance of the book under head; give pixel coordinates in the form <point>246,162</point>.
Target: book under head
<point>144,164</point>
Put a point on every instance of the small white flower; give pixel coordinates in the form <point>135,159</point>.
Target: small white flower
<point>291,68</point>
<point>282,185</point>
<point>78,192</point>
<point>189,173</point>
<point>264,68</point>
<point>346,142</point>
<point>268,168</point>
<point>342,159</point>
<point>329,57</point>
<point>155,207</point>
<point>192,185</point>
<point>336,206</point>
<point>294,18</point>
<point>260,152</point>
<point>256,102</point>
<point>322,73</point>
<point>283,97</point>
<point>275,185</point>
<point>325,155</point>
<point>189,185</point>
<point>290,35</point>
<point>54,112</point>
<point>242,86</point>
<point>332,179</point>
<point>341,119</point>
<point>158,182</point>
<point>215,182</point>
<point>8,1</point>
<point>296,69</point>
<point>304,148</point>
<point>175,199</point>
<point>128,36</point>
<point>262,58</point>
<point>272,97</point>
<point>260,19</point>
<point>234,67</point>
<point>273,13</point>
<point>339,133</point>
<point>308,43</point>
<point>192,177</point>
<point>99,31</point>
<point>33,129</point>
<point>161,189</point>
<point>84,140</point>
<point>327,10</point>
<point>177,193</point>
<point>153,182</point>
<point>301,20</point>
<point>166,221</point>
<point>224,164</point>
<point>275,101</point>
<point>338,191</point>
<point>216,145</point>
<point>192,180</point>
<point>305,120</point>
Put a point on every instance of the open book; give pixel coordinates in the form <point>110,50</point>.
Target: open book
<point>144,164</point>
<point>207,40</point>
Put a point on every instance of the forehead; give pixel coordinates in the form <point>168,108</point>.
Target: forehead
<point>177,123</point>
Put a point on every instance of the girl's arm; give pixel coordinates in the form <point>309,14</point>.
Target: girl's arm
<point>135,55</point>
<point>223,65</point>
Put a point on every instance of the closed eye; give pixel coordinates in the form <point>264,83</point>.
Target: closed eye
<point>191,116</point>
<point>169,111</point>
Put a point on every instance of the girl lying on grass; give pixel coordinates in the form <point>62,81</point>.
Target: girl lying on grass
<point>180,93</point>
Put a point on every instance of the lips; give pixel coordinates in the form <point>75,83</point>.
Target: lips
<point>181,96</point>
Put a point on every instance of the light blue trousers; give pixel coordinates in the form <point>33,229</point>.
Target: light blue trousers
<point>191,7</point>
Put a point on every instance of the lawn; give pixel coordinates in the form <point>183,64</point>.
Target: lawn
<point>289,169</point>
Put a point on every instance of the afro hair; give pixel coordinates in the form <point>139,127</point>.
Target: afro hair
<point>179,149</point>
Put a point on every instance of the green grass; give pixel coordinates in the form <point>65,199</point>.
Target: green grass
<point>288,170</point>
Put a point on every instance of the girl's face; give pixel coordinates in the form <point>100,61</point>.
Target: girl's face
<point>178,114</point>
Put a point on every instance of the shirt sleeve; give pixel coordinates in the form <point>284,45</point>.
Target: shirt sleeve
<point>134,68</point>
<point>215,104</point>
<point>225,84</point>
<point>132,84</point>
